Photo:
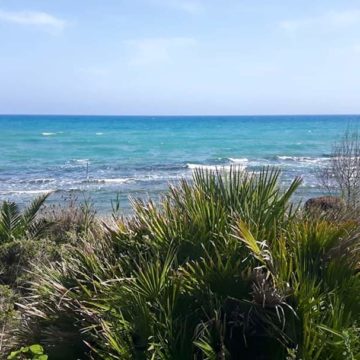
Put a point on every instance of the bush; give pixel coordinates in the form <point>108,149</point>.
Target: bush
<point>70,220</point>
<point>225,267</point>
<point>32,352</point>
<point>342,175</point>
<point>15,225</point>
<point>17,257</point>
<point>9,318</point>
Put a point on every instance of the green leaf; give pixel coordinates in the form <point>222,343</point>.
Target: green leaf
<point>37,349</point>
<point>41,357</point>
<point>13,354</point>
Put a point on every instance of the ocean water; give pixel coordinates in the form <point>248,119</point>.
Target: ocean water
<point>98,157</point>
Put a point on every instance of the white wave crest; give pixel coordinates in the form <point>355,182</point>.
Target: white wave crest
<point>238,160</point>
<point>304,159</point>
<point>106,181</point>
<point>48,134</point>
<point>27,192</point>
<point>37,181</point>
<point>80,161</point>
<point>162,177</point>
<point>214,167</point>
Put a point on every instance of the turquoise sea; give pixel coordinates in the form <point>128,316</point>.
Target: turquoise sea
<point>98,157</point>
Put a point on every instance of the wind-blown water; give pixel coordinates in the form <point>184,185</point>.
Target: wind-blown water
<point>98,156</point>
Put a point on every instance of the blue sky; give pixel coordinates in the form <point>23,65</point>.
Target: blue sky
<point>179,56</point>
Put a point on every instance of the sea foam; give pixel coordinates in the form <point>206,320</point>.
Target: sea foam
<point>214,167</point>
<point>29,192</point>
<point>238,160</point>
<point>106,181</point>
<point>304,159</point>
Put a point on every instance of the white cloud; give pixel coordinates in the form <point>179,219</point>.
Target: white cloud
<point>328,21</point>
<point>192,7</point>
<point>33,18</point>
<point>356,48</point>
<point>189,6</point>
<point>94,70</point>
<point>158,50</point>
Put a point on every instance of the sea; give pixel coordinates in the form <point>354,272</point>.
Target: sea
<point>98,159</point>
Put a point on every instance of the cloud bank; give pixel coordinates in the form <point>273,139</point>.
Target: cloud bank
<point>329,20</point>
<point>33,18</point>
<point>149,51</point>
<point>192,7</point>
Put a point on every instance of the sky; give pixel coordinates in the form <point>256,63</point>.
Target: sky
<point>179,57</point>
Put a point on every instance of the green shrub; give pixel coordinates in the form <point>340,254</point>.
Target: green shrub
<point>70,220</point>
<point>9,317</point>
<point>15,225</point>
<point>225,267</point>
<point>32,352</point>
<point>17,257</point>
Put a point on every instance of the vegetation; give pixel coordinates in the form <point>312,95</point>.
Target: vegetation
<point>342,175</point>
<point>15,225</point>
<point>32,352</point>
<point>225,267</point>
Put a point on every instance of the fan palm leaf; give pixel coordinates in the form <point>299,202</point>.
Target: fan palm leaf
<point>15,224</point>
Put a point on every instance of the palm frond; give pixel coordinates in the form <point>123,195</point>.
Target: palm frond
<point>10,221</point>
<point>32,210</point>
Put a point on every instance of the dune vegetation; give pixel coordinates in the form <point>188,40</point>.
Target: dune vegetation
<point>225,266</point>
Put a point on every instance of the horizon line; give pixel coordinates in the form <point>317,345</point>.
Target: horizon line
<point>179,115</point>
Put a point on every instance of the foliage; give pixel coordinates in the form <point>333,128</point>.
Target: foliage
<point>69,220</point>
<point>16,258</point>
<point>33,236</point>
<point>8,316</point>
<point>15,224</point>
<point>342,175</point>
<point>32,352</point>
<point>225,267</point>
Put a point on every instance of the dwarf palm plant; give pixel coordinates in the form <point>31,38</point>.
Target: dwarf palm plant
<point>319,276</point>
<point>152,287</point>
<point>15,224</point>
<point>224,267</point>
